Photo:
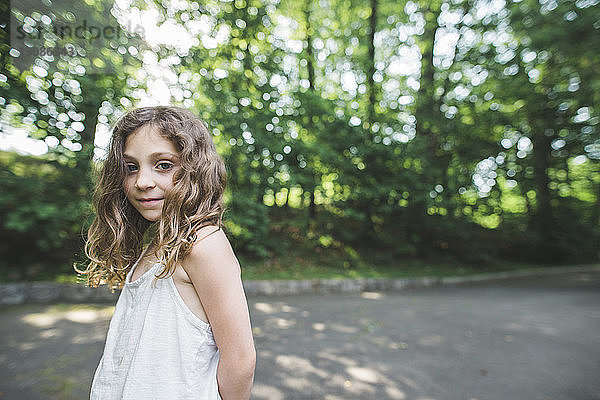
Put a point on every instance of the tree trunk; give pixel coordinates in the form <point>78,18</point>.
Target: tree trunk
<point>312,212</point>
<point>90,107</point>
<point>371,68</point>
<point>426,139</point>
<point>596,213</point>
<point>542,218</point>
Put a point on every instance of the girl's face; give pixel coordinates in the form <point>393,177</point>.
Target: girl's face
<point>151,161</point>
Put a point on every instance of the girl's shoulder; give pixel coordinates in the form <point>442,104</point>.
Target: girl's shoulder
<point>210,236</point>
<point>207,231</point>
<point>210,246</point>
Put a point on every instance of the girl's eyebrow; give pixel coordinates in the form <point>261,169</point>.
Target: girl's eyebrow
<point>158,154</point>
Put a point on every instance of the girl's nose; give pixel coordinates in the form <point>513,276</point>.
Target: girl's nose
<point>144,180</point>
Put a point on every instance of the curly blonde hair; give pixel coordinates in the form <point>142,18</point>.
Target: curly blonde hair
<point>115,238</point>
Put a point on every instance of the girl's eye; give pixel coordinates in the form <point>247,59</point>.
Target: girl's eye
<point>164,166</point>
<point>131,168</point>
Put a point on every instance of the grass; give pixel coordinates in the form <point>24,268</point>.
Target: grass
<point>325,263</point>
<point>291,268</point>
<point>413,270</point>
<point>313,266</point>
<point>302,255</point>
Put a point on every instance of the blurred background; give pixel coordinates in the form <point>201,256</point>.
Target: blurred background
<point>362,138</point>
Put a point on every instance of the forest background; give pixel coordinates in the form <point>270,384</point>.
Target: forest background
<point>362,138</point>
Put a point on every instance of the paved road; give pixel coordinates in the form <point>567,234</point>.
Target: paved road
<point>533,338</point>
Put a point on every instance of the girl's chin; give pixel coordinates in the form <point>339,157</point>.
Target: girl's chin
<point>150,216</point>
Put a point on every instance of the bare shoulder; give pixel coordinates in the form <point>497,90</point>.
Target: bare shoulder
<point>211,249</point>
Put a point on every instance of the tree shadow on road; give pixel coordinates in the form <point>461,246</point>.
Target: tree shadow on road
<point>50,352</point>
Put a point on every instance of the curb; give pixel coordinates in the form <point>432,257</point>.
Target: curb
<point>49,292</point>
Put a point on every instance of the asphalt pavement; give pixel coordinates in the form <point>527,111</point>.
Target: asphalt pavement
<point>527,338</point>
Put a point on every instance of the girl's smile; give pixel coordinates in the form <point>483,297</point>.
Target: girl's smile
<point>151,161</point>
<point>150,202</point>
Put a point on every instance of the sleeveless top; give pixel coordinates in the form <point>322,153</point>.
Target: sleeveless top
<point>156,347</point>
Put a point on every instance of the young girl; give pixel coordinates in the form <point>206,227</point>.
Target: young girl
<point>181,327</point>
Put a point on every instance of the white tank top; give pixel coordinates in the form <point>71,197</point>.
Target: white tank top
<point>156,348</point>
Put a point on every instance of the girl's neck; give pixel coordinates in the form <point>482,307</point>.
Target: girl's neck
<point>150,246</point>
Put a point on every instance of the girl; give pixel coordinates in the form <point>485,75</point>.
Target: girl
<point>181,327</point>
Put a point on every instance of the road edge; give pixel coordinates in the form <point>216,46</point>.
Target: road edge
<point>50,292</point>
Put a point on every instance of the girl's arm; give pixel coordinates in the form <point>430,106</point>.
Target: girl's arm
<point>216,275</point>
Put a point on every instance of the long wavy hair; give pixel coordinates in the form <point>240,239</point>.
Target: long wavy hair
<point>116,236</point>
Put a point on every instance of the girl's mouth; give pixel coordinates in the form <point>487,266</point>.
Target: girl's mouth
<point>149,202</point>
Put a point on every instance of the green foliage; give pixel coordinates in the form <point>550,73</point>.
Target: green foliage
<point>248,223</point>
<point>469,134</point>
<point>42,207</point>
